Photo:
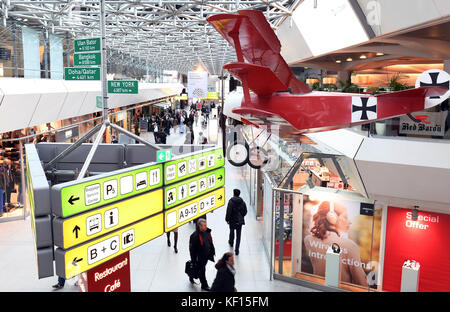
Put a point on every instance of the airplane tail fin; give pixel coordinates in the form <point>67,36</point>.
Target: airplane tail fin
<point>255,41</point>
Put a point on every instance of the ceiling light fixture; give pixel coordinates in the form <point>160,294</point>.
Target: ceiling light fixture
<point>363,57</point>
<point>380,54</point>
<point>349,59</point>
<point>338,61</point>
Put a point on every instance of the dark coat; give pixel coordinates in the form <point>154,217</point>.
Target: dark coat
<point>224,281</point>
<point>236,211</point>
<point>197,248</point>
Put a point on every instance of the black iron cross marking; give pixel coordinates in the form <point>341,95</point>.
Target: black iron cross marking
<point>364,108</point>
<point>434,83</point>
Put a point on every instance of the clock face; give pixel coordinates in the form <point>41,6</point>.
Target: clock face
<point>238,153</point>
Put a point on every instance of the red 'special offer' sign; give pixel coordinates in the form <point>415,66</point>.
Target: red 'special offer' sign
<point>111,276</point>
<point>425,241</point>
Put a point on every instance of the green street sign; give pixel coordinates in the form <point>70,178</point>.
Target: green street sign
<point>187,189</point>
<point>71,198</point>
<point>87,59</point>
<point>123,86</point>
<point>81,73</point>
<point>163,155</point>
<point>183,168</point>
<point>98,101</point>
<point>87,45</point>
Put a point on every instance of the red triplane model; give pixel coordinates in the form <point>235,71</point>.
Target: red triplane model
<point>279,98</point>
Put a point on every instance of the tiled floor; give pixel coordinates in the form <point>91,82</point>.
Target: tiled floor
<point>154,266</point>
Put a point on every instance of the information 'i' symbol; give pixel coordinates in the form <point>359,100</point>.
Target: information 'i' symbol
<point>111,218</point>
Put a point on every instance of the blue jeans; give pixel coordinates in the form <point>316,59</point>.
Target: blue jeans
<point>61,281</point>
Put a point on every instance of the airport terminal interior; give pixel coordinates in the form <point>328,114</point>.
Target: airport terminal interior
<point>224,145</point>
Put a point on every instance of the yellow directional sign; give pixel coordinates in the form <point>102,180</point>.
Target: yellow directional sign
<point>73,231</point>
<point>186,212</point>
<point>82,258</point>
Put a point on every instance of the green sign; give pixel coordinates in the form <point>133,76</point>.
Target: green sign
<point>81,73</point>
<point>70,198</point>
<point>188,189</point>
<point>186,167</point>
<point>98,101</point>
<point>123,86</point>
<point>163,155</point>
<point>87,45</point>
<point>87,59</point>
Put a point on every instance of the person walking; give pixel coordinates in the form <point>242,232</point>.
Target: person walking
<point>201,249</point>
<point>175,239</point>
<point>224,281</point>
<point>236,211</point>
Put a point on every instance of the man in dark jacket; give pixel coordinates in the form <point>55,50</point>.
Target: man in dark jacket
<point>236,211</point>
<point>201,249</point>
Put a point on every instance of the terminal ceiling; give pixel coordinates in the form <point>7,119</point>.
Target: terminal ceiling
<point>172,35</point>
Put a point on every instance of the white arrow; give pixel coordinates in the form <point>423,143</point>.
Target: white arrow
<point>161,156</point>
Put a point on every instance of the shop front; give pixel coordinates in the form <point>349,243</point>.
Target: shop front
<point>316,207</point>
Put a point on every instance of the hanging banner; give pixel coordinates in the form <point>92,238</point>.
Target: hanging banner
<point>423,123</point>
<point>351,230</point>
<point>425,241</point>
<point>197,85</point>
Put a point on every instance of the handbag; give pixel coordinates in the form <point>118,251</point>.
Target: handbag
<point>191,269</point>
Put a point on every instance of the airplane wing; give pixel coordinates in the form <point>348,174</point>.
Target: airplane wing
<point>253,38</point>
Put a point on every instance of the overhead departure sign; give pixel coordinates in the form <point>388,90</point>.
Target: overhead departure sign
<point>186,167</point>
<point>74,261</point>
<point>81,73</point>
<point>123,86</point>
<point>87,45</point>
<point>190,188</point>
<point>87,59</point>
<point>73,231</point>
<point>184,213</point>
<point>73,197</point>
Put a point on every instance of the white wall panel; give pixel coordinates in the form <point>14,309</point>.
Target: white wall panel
<point>76,92</point>
<point>19,102</point>
<point>53,94</point>
<point>410,169</point>
<point>293,45</point>
<point>30,102</point>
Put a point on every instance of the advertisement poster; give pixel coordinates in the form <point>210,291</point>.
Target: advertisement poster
<point>350,226</point>
<point>425,241</point>
<point>423,123</point>
<point>197,84</point>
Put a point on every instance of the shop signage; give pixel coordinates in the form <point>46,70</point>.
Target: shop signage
<point>213,95</point>
<point>366,209</point>
<point>424,240</point>
<point>81,73</point>
<point>197,84</point>
<point>73,231</point>
<point>74,261</point>
<point>87,59</point>
<point>163,155</point>
<point>123,86</point>
<point>111,276</point>
<point>186,167</point>
<point>186,212</point>
<point>423,123</point>
<point>188,189</point>
<point>87,45</point>
<point>76,197</point>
